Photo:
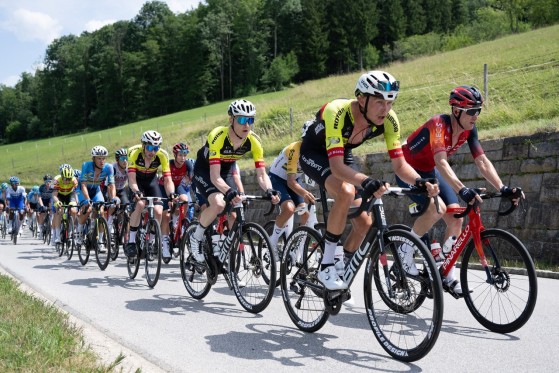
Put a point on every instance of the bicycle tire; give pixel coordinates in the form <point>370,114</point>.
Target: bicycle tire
<point>133,265</point>
<point>61,247</point>
<point>152,252</point>
<point>34,225</point>
<point>123,228</point>
<point>505,305</point>
<point>48,236</point>
<point>269,228</point>
<point>83,250</point>
<point>194,275</point>
<point>3,227</point>
<point>407,321</point>
<point>70,244</point>
<point>252,268</point>
<point>101,242</point>
<point>302,293</point>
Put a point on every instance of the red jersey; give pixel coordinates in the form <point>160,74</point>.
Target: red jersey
<point>177,174</point>
<point>433,137</point>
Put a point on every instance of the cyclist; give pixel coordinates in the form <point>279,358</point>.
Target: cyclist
<point>224,145</point>
<point>326,157</point>
<point>180,171</point>
<point>3,189</point>
<point>46,196</point>
<point>143,162</point>
<point>64,189</point>
<point>34,203</point>
<point>120,169</point>
<point>285,174</point>
<point>16,198</point>
<point>93,173</point>
<point>427,150</point>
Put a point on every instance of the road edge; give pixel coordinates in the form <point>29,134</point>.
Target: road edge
<point>102,345</point>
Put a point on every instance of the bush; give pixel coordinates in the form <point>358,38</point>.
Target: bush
<point>418,45</point>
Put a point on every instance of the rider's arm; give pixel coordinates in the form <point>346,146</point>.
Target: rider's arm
<point>263,179</point>
<point>447,172</point>
<point>488,171</point>
<point>404,170</point>
<point>132,183</point>
<point>169,185</point>
<point>217,180</point>
<point>343,172</point>
<point>297,188</point>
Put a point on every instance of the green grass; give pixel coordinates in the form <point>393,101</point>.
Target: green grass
<point>36,337</point>
<point>523,94</point>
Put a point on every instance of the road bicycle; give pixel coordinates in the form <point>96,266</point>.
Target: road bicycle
<point>33,226</point>
<point>245,259</point>
<point>148,243</point>
<point>120,229</point>
<point>67,233</point>
<point>16,224</point>
<point>3,224</point>
<point>46,230</point>
<point>404,311</point>
<point>96,237</point>
<point>497,274</point>
<point>177,231</point>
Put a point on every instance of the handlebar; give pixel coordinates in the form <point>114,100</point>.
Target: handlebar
<point>248,197</point>
<point>483,195</point>
<point>393,192</point>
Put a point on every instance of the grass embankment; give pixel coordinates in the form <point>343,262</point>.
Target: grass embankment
<point>37,337</point>
<point>523,81</point>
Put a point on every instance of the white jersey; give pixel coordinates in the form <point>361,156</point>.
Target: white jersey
<point>15,194</point>
<point>121,177</point>
<point>287,162</point>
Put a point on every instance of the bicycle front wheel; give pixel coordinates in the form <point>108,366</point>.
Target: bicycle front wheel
<point>152,247</point>
<point>405,311</point>
<point>302,293</point>
<point>69,239</point>
<point>102,242</point>
<point>501,298</point>
<point>252,268</point>
<point>194,275</point>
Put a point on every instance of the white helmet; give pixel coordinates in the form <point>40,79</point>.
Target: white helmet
<point>152,137</point>
<point>99,151</point>
<point>242,108</point>
<point>378,83</point>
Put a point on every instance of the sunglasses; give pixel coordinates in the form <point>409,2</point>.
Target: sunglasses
<point>183,152</point>
<point>471,112</point>
<point>386,86</point>
<point>152,148</point>
<point>245,120</point>
<point>123,158</point>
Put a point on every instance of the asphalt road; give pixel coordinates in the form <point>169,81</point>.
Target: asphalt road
<point>163,328</point>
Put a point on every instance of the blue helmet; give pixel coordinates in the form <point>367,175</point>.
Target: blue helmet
<point>4,186</point>
<point>14,180</point>
<point>77,173</point>
<point>35,188</point>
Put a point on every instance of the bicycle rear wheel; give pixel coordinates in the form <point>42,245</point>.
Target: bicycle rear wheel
<point>101,242</point>
<point>133,265</point>
<point>61,247</point>
<point>405,311</point>
<point>152,247</point>
<point>252,268</point>
<point>301,291</point>
<point>69,239</point>
<point>194,275</point>
<point>501,298</point>
<point>34,226</point>
<point>269,228</point>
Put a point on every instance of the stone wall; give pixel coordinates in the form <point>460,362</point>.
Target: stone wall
<point>531,162</point>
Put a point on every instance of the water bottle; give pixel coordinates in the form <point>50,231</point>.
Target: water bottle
<point>436,251</point>
<point>448,246</point>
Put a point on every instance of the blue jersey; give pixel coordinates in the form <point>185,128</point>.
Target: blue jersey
<point>33,197</point>
<point>88,175</point>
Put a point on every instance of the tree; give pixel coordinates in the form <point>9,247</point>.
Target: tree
<point>312,53</point>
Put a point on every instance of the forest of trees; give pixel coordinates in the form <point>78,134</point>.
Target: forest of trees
<point>160,62</point>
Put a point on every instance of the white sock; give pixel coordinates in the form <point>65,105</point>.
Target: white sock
<point>132,236</point>
<point>329,252</point>
<point>199,232</point>
<point>276,235</point>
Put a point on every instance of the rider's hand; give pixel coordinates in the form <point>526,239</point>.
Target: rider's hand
<point>273,195</point>
<point>173,196</point>
<point>231,195</point>
<point>116,201</point>
<point>373,187</point>
<point>513,193</point>
<point>468,195</point>
<point>430,185</point>
<point>137,195</point>
<point>309,198</point>
<point>58,204</point>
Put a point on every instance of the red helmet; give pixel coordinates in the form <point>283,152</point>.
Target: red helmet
<point>180,147</point>
<point>465,96</point>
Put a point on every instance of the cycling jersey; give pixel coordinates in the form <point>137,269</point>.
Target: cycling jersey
<point>88,175</point>
<point>334,126</point>
<point>33,197</point>
<point>65,187</point>
<point>137,164</point>
<point>16,197</point>
<point>287,162</point>
<point>178,174</point>
<point>46,193</point>
<point>219,150</point>
<point>121,176</point>
<point>433,137</point>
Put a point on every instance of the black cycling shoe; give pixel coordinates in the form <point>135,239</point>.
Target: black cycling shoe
<point>130,250</point>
